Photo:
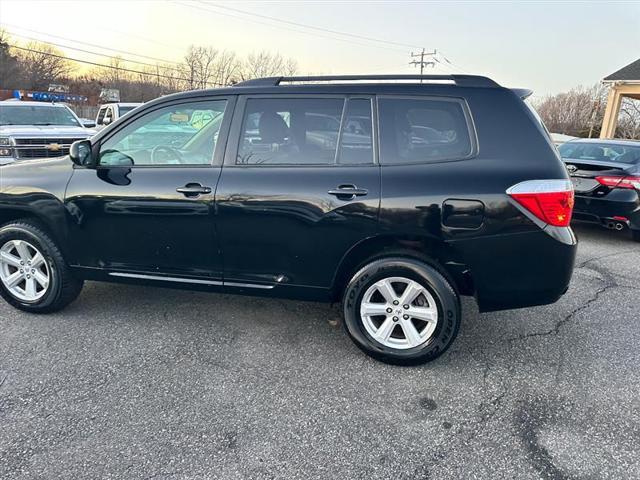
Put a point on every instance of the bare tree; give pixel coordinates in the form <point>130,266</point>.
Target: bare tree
<point>10,71</point>
<point>42,64</point>
<point>199,67</point>
<point>265,64</point>
<point>228,68</point>
<point>629,119</point>
<point>574,112</point>
<point>580,112</point>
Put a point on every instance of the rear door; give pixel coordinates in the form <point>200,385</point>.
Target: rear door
<point>300,187</point>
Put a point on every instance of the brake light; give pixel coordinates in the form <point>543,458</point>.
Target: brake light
<point>620,182</point>
<point>549,200</point>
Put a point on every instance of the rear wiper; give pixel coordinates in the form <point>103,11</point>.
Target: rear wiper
<point>43,124</point>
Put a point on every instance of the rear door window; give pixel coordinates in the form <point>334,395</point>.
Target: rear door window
<point>356,140</point>
<point>423,130</point>
<point>290,131</point>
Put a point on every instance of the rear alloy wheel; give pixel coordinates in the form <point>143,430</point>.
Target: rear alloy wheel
<point>401,311</point>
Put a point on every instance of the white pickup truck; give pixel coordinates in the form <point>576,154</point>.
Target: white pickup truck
<point>110,112</point>
<point>32,130</point>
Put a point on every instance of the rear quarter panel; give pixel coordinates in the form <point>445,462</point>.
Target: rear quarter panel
<point>508,253</point>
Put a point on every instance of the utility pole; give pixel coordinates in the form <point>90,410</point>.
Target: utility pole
<point>422,62</point>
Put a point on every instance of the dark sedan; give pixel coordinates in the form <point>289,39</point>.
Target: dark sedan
<point>606,179</point>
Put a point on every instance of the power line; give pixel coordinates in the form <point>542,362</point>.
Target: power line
<point>313,27</point>
<point>93,53</point>
<point>351,42</point>
<point>122,69</point>
<point>91,44</point>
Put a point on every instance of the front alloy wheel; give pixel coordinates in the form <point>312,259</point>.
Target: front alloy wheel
<point>24,271</point>
<point>34,276</point>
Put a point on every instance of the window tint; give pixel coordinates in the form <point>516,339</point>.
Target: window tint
<point>422,131</point>
<point>356,146</point>
<point>290,131</point>
<point>183,134</point>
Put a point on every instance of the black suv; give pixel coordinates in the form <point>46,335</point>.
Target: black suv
<point>394,195</point>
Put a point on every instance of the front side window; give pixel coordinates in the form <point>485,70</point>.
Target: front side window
<point>183,134</point>
<point>423,130</point>
<point>290,131</point>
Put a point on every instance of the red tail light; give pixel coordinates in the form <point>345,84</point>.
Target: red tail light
<point>620,182</point>
<point>549,200</point>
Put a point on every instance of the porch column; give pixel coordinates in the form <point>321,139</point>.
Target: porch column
<point>610,120</point>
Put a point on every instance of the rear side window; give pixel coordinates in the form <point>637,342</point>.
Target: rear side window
<point>290,131</point>
<point>416,130</point>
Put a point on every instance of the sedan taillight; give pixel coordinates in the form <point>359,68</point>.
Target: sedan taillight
<point>619,182</point>
<point>549,200</point>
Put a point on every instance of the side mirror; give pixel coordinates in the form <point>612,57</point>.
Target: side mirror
<point>106,120</point>
<point>88,123</point>
<point>80,153</point>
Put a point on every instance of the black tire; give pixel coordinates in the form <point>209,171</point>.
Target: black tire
<point>445,296</point>
<point>635,235</point>
<point>63,287</point>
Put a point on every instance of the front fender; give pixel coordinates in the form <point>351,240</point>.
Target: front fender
<point>36,189</point>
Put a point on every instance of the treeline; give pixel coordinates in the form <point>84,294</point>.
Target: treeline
<point>580,111</point>
<point>36,65</point>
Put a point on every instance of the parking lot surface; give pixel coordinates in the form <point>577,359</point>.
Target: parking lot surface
<point>146,383</point>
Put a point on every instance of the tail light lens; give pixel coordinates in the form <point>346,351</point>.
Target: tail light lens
<point>620,182</point>
<point>549,200</point>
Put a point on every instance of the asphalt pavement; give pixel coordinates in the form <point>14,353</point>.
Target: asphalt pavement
<point>149,383</point>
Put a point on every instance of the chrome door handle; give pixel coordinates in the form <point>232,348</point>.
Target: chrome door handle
<point>193,190</point>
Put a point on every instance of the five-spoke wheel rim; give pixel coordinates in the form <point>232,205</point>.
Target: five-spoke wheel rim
<point>399,313</point>
<point>24,271</point>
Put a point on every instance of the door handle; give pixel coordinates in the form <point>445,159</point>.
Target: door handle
<point>348,192</point>
<point>193,190</point>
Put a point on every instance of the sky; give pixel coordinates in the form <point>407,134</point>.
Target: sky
<point>547,46</point>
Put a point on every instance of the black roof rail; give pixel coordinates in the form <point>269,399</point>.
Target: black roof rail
<point>460,80</point>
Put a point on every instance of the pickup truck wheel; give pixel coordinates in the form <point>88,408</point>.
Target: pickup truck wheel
<point>33,275</point>
<point>401,311</point>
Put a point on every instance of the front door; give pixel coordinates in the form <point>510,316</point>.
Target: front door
<point>299,188</point>
<point>147,208</point>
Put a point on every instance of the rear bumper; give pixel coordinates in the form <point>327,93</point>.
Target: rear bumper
<point>521,269</point>
<point>617,203</point>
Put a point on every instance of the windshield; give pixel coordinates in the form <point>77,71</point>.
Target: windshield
<point>603,152</point>
<point>37,115</point>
